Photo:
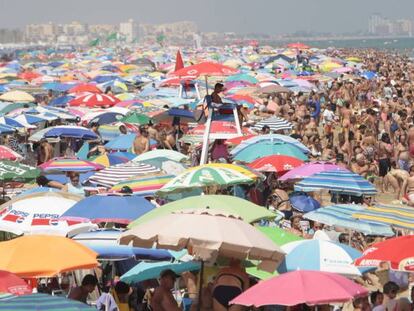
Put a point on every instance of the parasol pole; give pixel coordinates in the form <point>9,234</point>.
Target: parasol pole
<point>205,78</point>
<point>200,288</point>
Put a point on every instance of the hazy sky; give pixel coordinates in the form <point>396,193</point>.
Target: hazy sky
<point>264,16</point>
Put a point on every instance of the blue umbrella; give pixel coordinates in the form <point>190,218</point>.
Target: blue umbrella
<point>55,64</point>
<point>369,75</point>
<point>122,142</point>
<point>106,78</point>
<point>60,101</point>
<point>303,202</point>
<point>339,181</point>
<point>5,129</point>
<point>119,252</point>
<point>340,216</point>
<point>130,156</point>
<point>3,88</point>
<point>109,208</point>
<point>42,302</point>
<point>107,118</point>
<point>151,270</point>
<point>70,131</point>
<point>10,122</point>
<point>58,87</point>
<point>29,119</point>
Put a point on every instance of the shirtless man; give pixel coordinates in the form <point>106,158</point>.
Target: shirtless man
<point>346,114</point>
<point>360,167</point>
<point>396,178</point>
<point>45,152</point>
<point>411,140</point>
<point>141,143</point>
<point>163,300</point>
<point>385,152</point>
<point>309,129</point>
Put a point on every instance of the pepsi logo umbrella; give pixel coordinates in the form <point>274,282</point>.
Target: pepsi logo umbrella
<point>339,181</point>
<point>12,284</point>
<point>94,100</point>
<point>8,154</point>
<point>58,165</point>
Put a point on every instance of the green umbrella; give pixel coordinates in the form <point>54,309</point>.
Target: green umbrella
<point>267,148</point>
<point>15,171</point>
<point>247,210</point>
<point>136,118</point>
<point>14,106</point>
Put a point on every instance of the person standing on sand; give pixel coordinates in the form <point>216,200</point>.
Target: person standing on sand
<point>141,142</point>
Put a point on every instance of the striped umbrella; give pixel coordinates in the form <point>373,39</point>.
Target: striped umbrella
<point>339,181</point>
<point>58,165</point>
<point>94,100</point>
<point>42,302</point>
<point>396,216</point>
<point>108,160</point>
<point>204,176</point>
<point>8,154</point>
<point>267,148</point>
<point>341,216</point>
<point>274,123</point>
<point>146,186</point>
<point>113,175</point>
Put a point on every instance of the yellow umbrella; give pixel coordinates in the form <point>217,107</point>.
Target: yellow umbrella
<point>17,96</point>
<point>354,59</point>
<point>241,169</point>
<point>329,66</point>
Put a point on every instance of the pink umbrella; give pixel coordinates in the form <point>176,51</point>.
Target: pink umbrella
<point>297,287</point>
<point>309,169</point>
<point>343,70</point>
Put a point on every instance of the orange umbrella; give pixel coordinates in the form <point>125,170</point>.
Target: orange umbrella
<point>36,256</point>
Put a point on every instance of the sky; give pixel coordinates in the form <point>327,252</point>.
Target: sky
<point>241,16</point>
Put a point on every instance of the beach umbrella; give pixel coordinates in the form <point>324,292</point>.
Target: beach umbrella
<point>17,96</point>
<point>49,255</point>
<point>398,252</point>
<point>275,163</point>
<point>42,302</point>
<point>39,213</point>
<point>279,236</point>
<point>30,119</point>
<point>272,89</point>
<point>321,255</point>
<point>203,177</point>
<point>303,203</point>
<point>340,216</point>
<point>63,131</point>
<point>390,215</point>
<point>12,284</point>
<point>206,234</point>
<point>106,117</point>
<point>298,287</point>
<point>247,210</point>
<point>14,123</point>
<point>162,153</point>
<point>85,88</point>
<point>8,154</point>
<point>339,181</point>
<point>122,142</point>
<point>170,167</point>
<point>59,165</point>
<point>60,101</point>
<point>244,77</point>
<point>218,130</point>
<point>110,159</point>
<point>15,171</point>
<point>145,186</point>
<point>266,148</point>
<point>94,100</point>
<point>308,169</point>
<point>298,45</point>
<point>136,118</point>
<point>6,129</point>
<point>113,175</point>
<point>151,270</point>
<point>274,123</point>
<point>236,141</point>
<point>108,208</point>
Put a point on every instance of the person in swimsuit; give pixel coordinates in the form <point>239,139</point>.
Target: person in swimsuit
<point>163,299</point>
<point>230,282</point>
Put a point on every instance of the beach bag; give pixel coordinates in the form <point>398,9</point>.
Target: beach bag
<point>394,126</point>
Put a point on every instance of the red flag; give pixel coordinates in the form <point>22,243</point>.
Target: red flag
<point>178,61</point>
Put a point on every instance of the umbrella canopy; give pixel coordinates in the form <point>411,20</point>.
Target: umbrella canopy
<point>17,96</point>
<point>58,165</point>
<point>136,118</point>
<point>308,169</point>
<point>337,181</point>
<point>94,100</point>
<point>275,164</point>
<point>110,159</point>
<point>274,123</point>
<point>113,175</point>
<point>145,186</point>
<point>162,153</point>
<point>266,148</point>
<point>85,88</point>
<point>38,213</point>
<point>396,216</point>
<point>8,154</point>
<point>204,176</point>
<point>15,171</point>
<point>206,234</point>
<point>42,302</point>
<point>122,142</point>
<point>293,288</point>
<point>246,210</point>
<point>279,236</point>
<point>303,202</point>
<point>49,255</point>
<point>151,270</point>
<point>340,216</point>
<point>170,167</point>
<point>12,284</point>
<point>398,252</point>
<point>63,131</point>
<point>204,69</point>
<point>320,256</point>
<point>273,88</point>
<point>108,208</point>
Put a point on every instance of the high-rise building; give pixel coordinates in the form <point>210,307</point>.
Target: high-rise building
<point>128,30</point>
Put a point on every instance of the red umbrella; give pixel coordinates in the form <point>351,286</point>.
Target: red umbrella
<point>12,284</point>
<point>298,45</point>
<point>275,163</point>
<point>238,140</point>
<point>29,75</point>
<point>8,154</point>
<point>399,252</point>
<point>85,87</point>
<point>217,127</point>
<point>94,100</point>
<point>179,64</point>
<point>205,69</point>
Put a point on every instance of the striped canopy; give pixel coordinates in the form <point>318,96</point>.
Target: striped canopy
<point>340,215</point>
<point>396,216</point>
<point>115,174</point>
<point>274,123</point>
<point>340,181</point>
<point>69,165</point>
<point>146,186</point>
